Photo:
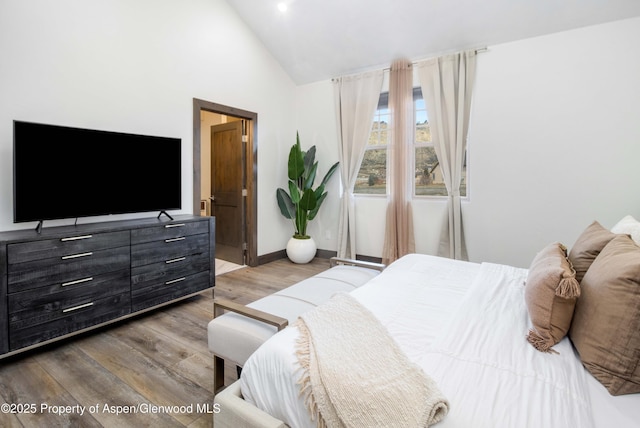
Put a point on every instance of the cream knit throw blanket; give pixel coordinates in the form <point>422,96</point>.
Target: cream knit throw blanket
<point>355,375</point>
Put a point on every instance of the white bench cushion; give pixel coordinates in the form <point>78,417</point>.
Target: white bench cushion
<point>235,337</point>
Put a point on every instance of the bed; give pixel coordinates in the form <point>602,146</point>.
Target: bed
<point>468,327</point>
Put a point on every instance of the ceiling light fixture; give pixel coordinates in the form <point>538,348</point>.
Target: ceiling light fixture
<point>282,7</point>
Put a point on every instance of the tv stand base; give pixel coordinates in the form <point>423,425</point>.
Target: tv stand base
<point>165,213</point>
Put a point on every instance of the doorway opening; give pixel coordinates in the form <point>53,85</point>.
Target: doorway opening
<point>225,177</point>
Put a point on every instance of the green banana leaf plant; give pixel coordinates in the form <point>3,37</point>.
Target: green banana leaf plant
<point>302,202</point>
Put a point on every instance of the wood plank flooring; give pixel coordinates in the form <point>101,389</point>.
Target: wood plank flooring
<point>154,370</point>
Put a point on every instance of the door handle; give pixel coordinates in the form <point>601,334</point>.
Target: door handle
<point>213,198</point>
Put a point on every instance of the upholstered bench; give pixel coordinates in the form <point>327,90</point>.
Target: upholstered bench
<point>236,331</point>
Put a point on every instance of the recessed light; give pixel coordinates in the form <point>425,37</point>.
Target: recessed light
<point>282,6</point>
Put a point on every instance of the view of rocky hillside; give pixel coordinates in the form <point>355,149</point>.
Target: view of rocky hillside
<point>428,177</point>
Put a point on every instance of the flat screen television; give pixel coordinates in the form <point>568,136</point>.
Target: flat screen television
<point>61,172</point>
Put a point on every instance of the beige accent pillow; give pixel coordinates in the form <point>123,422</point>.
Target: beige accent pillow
<point>606,323</point>
<point>628,226</point>
<point>550,294</point>
<point>588,246</point>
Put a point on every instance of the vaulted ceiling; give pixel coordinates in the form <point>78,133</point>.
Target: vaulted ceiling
<point>318,39</point>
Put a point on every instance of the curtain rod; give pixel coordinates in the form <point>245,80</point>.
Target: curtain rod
<point>479,50</point>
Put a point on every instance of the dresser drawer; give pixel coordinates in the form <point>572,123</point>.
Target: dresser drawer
<point>169,250</point>
<point>76,318</point>
<point>66,246</point>
<point>44,304</point>
<point>168,231</point>
<point>161,273</point>
<point>161,292</point>
<point>63,269</point>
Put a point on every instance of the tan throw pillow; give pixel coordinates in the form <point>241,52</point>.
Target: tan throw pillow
<point>588,246</point>
<point>550,295</point>
<point>606,322</point>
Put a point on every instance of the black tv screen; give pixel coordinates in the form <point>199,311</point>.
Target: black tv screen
<point>62,172</point>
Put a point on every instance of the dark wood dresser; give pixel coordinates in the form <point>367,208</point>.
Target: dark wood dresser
<point>69,279</point>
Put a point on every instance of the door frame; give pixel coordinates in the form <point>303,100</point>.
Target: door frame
<point>251,169</point>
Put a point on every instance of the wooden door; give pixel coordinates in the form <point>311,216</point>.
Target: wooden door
<point>227,184</point>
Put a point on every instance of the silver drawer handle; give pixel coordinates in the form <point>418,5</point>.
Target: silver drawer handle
<point>168,226</point>
<point>75,238</point>
<point>175,239</point>
<point>78,281</point>
<point>179,259</point>
<point>75,308</point>
<point>173,281</point>
<point>75,256</point>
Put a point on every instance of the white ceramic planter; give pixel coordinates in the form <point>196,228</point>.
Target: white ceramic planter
<point>301,250</point>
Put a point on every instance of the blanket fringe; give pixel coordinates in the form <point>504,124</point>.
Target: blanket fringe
<point>540,343</point>
<point>303,353</point>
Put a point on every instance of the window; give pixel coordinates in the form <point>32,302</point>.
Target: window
<point>427,174</point>
<point>372,177</point>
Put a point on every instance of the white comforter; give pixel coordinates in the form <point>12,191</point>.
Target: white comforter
<point>465,324</point>
<point>492,375</point>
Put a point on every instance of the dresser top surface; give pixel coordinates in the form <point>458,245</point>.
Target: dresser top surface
<point>60,231</point>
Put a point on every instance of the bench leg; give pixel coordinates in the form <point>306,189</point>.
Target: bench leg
<point>218,373</point>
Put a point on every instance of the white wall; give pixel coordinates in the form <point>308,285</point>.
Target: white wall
<point>554,144</point>
<point>135,66</point>
<point>556,140</point>
<point>316,120</point>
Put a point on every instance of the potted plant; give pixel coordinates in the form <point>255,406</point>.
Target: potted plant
<point>302,202</point>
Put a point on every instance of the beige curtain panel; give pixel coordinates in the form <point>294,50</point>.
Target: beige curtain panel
<point>399,238</point>
<point>356,100</point>
<point>447,84</point>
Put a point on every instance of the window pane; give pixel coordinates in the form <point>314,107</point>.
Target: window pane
<point>372,178</point>
<point>380,128</point>
<point>428,175</point>
<point>423,132</point>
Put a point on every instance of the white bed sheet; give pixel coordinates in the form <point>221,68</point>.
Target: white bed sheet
<point>443,314</point>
